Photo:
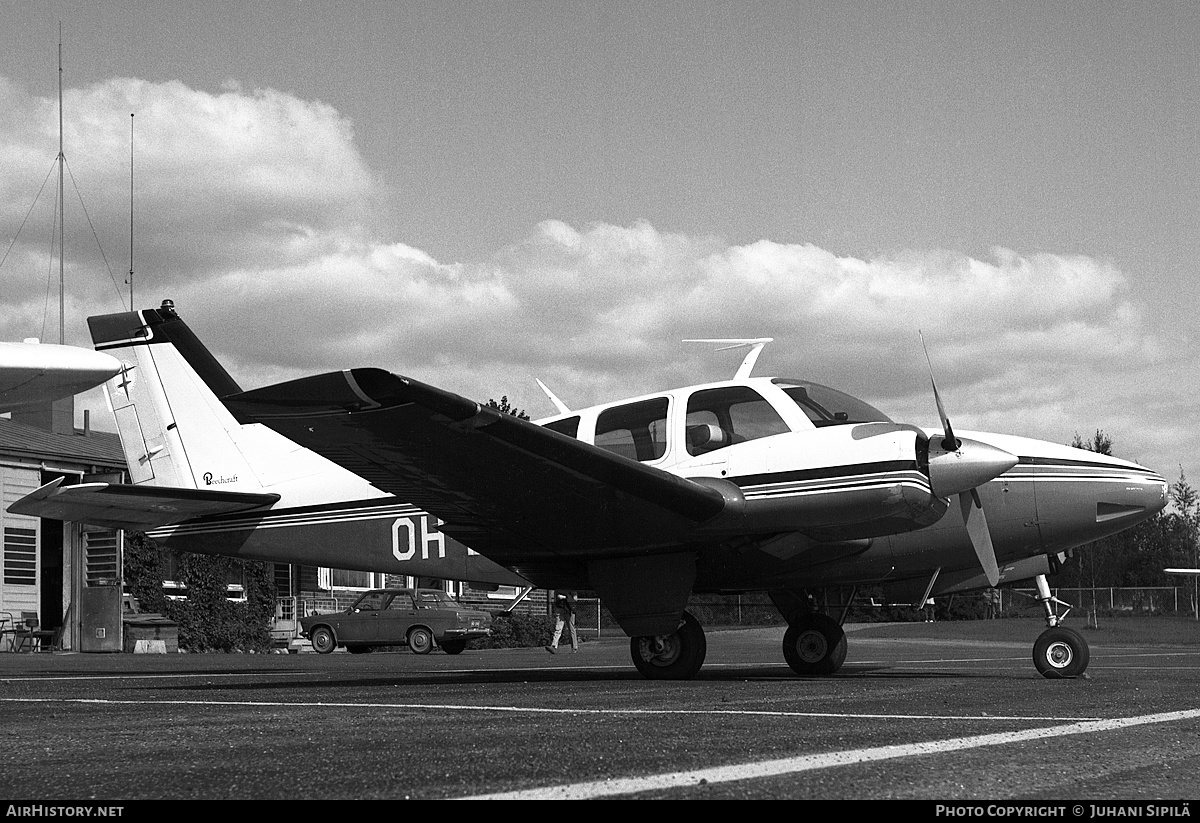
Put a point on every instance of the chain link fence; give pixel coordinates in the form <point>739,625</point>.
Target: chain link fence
<point>1142,600</point>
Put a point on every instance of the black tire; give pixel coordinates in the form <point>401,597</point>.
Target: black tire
<point>358,649</point>
<point>1061,654</point>
<point>675,656</point>
<point>454,646</point>
<point>814,646</point>
<point>420,640</point>
<point>323,641</point>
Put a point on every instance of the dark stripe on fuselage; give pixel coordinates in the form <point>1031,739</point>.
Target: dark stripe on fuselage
<point>1056,462</point>
<point>825,473</point>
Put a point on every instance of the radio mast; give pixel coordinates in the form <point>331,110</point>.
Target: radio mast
<point>62,249</point>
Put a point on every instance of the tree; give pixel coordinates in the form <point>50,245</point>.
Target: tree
<point>507,408</point>
<point>1100,443</point>
<point>1187,505</point>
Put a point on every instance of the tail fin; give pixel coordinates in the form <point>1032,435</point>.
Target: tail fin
<point>176,432</point>
<point>274,499</point>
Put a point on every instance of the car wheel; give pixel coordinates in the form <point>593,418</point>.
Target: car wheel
<point>323,641</point>
<point>420,641</point>
<point>454,646</point>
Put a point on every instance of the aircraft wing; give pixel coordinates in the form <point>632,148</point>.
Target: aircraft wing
<point>138,508</point>
<point>511,490</point>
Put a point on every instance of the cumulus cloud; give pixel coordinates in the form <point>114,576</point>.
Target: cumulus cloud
<point>255,209</point>
<point>224,179</point>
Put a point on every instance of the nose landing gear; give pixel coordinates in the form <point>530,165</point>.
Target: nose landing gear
<point>1059,653</point>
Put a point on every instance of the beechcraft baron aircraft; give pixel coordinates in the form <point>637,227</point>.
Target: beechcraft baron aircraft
<point>750,484</point>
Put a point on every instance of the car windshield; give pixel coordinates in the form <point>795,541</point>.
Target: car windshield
<point>829,407</point>
<point>369,601</point>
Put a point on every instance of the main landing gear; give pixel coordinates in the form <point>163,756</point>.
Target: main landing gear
<point>675,656</point>
<point>1058,652</point>
<point>814,645</point>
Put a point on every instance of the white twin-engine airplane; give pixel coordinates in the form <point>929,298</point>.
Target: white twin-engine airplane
<point>750,484</point>
<point>32,373</point>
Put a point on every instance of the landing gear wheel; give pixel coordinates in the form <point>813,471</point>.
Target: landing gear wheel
<point>420,641</point>
<point>323,641</point>
<point>675,656</point>
<point>814,645</point>
<point>1060,653</point>
<point>454,646</point>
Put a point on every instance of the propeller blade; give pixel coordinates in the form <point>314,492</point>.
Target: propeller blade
<point>961,467</point>
<point>949,442</point>
<point>981,537</point>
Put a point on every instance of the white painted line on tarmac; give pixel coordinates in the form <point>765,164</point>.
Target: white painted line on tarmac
<point>86,677</point>
<point>542,709</point>
<point>792,765</point>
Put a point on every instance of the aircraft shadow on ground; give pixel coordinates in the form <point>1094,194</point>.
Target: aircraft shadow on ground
<point>574,675</point>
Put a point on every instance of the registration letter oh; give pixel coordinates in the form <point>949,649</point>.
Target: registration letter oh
<point>410,532</point>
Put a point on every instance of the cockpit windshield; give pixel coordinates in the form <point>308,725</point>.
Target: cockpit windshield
<point>829,407</point>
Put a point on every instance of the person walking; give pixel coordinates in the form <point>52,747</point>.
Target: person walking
<point>564,615</point>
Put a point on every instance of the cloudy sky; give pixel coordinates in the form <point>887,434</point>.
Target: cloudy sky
<point>477,194</point>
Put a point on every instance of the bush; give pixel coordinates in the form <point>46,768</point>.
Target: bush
<point>208,620</point>
<point>145,570</point>
<point>517,631</point>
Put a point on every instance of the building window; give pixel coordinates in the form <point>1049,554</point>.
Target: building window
<point>101,562</point>
<point>20,557</point>
<point>350,579</point>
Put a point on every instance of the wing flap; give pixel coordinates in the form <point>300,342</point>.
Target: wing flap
<point>137,508</point>
<point>508,488</point>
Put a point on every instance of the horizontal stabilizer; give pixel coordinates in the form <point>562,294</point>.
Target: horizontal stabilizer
<point>137,508</point>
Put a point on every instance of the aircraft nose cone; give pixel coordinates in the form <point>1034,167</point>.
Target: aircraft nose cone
<point>1083,496</point>
<point>972,465</point>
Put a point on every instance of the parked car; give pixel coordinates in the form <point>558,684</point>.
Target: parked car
<point>418,618</point>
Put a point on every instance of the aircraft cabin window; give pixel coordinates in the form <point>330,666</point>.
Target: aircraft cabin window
<point>721,417</point>
<point>568,426</point>
<point>829,407</point>
<point>636,430</point>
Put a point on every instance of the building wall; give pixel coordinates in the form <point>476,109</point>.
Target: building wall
<point>20,565</point>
